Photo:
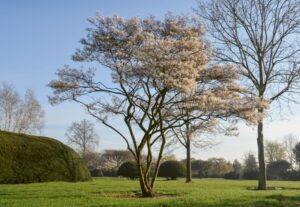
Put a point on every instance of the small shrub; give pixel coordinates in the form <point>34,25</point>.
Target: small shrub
<point>232,176</point>
<point>128,169</point>
<point>171,169</point>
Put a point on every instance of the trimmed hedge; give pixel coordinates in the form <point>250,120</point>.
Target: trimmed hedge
<point>171,169</point>
<point>27,159</point>
<point>277,170</point>
<point>128,169</point>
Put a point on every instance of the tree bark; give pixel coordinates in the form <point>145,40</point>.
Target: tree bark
<point>145,187</point>
<point>262,182</point>
<point>188,161</point>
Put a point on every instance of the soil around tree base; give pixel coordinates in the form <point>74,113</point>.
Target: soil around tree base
<point>137,195</point>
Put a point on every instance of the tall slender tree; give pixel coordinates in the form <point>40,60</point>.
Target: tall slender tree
<point>289,143</point>
<point>261,37</point>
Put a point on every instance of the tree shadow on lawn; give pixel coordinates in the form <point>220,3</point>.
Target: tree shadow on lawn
<point>275,200</point>
<point>266,201</point>
<point>273,188</point>
<point>283,198</point>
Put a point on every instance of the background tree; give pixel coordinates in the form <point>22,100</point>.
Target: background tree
<point>211,168</point>
<point>250,167</point>
<point>168,157</point>
<point>297,152</point>
<point>82,135</point>
<point>9,102</point>
<point>250,162</point>
<point>218,167</point>
<point>237,167</point>
<point>236,171</point>
<point>150,61</point>
<point>21,115</point>
<point>93,162</point>
<point>115,158</point>
<point>275,151</point>
<point>198,168</point>
<point>289,143</point>
<point>261,37</point>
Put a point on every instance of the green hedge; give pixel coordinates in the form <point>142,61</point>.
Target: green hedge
<point>27,159</point>
<point>171,169</point>
<point>128,169</point>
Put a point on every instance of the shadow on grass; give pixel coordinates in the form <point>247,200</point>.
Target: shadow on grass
<point>273,188</point>
<point>267,201</point>
<point>275,200</point>
<point>285,198</point>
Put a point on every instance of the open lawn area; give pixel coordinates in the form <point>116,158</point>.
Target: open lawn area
<point>120,192</point>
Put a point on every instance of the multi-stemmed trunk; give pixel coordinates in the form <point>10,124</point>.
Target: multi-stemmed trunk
<point>145,184</point>
<point>188,161</point>
<point>262,182</point>
<point>146,181</point>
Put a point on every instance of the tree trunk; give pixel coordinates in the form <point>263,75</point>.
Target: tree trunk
<point>145,191</point>
<point>144,183</point>
<point>188,161</point>
<point>262,182</point>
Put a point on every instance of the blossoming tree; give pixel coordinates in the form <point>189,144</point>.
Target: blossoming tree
<point>151,63</point>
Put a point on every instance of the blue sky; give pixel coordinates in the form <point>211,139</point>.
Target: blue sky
<point>38,37</point>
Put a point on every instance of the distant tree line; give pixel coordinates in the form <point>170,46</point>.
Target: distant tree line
<point>283,159</point>
<point>109,163</point>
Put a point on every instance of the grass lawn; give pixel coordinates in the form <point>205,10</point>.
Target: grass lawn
<point>121,192</point>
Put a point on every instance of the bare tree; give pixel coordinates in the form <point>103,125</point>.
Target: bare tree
<point>275,151</point>
<point>9,104</point>
<point>260,36</point>
<point>289,144</point>
<point>82,135</point>
<point>30,117</point>
<point>17,114</point>
<point>168,156</point>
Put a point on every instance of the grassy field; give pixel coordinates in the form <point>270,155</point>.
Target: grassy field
<point>120,192</point>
